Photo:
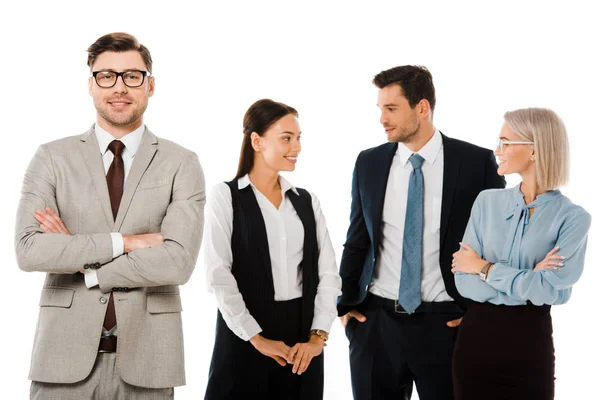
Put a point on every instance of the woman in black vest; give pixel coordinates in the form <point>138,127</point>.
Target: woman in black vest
<point>272,268</point>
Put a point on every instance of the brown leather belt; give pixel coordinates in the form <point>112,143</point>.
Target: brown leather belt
<point>108,344</point>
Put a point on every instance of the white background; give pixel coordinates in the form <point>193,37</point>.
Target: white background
<point>211,61</point>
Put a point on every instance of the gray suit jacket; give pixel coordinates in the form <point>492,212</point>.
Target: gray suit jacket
<point>164,191</point>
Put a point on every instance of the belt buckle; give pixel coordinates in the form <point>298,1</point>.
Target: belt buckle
<point>396,310</point>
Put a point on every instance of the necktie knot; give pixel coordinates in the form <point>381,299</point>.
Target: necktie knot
<point>117,147</point>
<point>416,161</point>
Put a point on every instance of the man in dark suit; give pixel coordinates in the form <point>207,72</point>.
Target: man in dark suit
<point>411,201</point>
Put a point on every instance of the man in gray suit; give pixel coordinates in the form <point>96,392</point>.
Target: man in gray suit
<point>114,217</point>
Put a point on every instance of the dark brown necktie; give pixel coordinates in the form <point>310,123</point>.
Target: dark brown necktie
<point>115,179</point>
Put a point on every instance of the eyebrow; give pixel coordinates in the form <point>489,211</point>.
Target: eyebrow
<point>112,70</point>
<point>289,133</point>
<point>388,105</point>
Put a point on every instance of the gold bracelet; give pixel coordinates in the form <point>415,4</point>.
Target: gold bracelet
<point>320,333</point>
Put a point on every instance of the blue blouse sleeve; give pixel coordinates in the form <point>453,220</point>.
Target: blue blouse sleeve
<point>470,285</point>
<point>548,286</point>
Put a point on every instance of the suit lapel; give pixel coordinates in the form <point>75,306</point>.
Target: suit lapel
<point>141,161</point>
<point>92,157</point>
<point>452,162</point>
<point>378,186</point>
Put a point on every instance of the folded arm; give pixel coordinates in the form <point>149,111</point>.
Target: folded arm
<point>172,262</point>
<point>51,252</point>
<point>548,286</point>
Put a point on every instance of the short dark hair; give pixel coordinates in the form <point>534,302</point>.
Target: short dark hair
<point>259,118</point>
<point>118,42</point>
<point>415,81</point>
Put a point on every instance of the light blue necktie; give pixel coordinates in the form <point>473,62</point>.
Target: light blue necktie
<point>409,295</point>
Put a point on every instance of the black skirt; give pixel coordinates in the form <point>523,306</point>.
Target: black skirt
<point>504,352</point>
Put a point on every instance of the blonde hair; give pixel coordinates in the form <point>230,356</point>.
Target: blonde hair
<point>548,133</point>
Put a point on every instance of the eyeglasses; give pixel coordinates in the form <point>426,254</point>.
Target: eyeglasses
<point>131,78</point>
<point>502,143</point>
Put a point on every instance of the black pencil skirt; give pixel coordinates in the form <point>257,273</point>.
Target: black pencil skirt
<point>240,372</point>
<point>504,352</point>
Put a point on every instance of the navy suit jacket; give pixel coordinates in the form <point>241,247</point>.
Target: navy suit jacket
<point>468,169</point>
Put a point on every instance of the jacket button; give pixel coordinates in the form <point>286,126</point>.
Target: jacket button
<point>86,266</point>
<point>103,300</point>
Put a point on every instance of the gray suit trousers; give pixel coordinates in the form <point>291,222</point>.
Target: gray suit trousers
<point>103,383</point>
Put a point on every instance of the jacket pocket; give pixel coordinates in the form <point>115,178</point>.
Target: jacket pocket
<point>163,303</point>
<point>57,297</point>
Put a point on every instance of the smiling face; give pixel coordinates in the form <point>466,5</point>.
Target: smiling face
<point>279,147</point>
<point>120,107</point>
<point>400,121</point>
<point>514,158</point>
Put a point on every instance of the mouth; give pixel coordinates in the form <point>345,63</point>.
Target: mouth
<point>119,104</point>
<point>388,130</point>
<point>291,159</point>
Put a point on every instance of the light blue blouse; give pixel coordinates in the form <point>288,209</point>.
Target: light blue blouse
<point>501,230</point>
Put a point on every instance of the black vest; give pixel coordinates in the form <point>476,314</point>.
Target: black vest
<point>251,265</point>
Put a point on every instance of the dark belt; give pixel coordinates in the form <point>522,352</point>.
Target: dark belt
<point>441,307</point>
<point>108,344</point>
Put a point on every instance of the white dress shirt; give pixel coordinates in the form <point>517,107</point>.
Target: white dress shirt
<point>386,277</point>
<point>132,142</point>
<point>285,235</point>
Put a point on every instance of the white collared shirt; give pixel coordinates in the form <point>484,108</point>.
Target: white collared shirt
<point>386,277</point>
<point>132,143</point>
<point>285,235</point>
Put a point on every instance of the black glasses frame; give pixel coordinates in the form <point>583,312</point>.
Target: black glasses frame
<point>120,74</point>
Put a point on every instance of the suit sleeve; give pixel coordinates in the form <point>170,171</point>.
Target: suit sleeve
<point>492,179</point>
<point>173,262</point>
<point>355,248</point>
<point>51,252</point>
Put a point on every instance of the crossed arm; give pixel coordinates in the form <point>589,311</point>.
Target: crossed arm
<point>43,243</point>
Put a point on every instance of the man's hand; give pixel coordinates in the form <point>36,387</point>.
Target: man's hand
<point>50,222</point>
<point>454,323</point>
<point>302,354</point>
<point>135,242</point>
<point>275,349</point>
<point>352,314</point>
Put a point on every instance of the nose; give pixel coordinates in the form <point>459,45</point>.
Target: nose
<point>296,146</point>
<point>382,118</point>
<point>120,86</point>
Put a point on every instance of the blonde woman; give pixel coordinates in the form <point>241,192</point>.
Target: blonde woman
<point>522,252</point>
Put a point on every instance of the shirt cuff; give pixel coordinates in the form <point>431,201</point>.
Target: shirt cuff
<point>249,329</point>
<point>117,244</point>
<point>322,322</point>
<point>91,278</point>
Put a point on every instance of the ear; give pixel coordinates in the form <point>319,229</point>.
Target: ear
<point>255,141</point>
<point>151,85</point>
<point>90,84</point>
<point>423,108</point>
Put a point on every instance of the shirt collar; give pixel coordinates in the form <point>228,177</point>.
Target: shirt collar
<point>284,183</point>
<point>429,152</point>
<point>131,140</point>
